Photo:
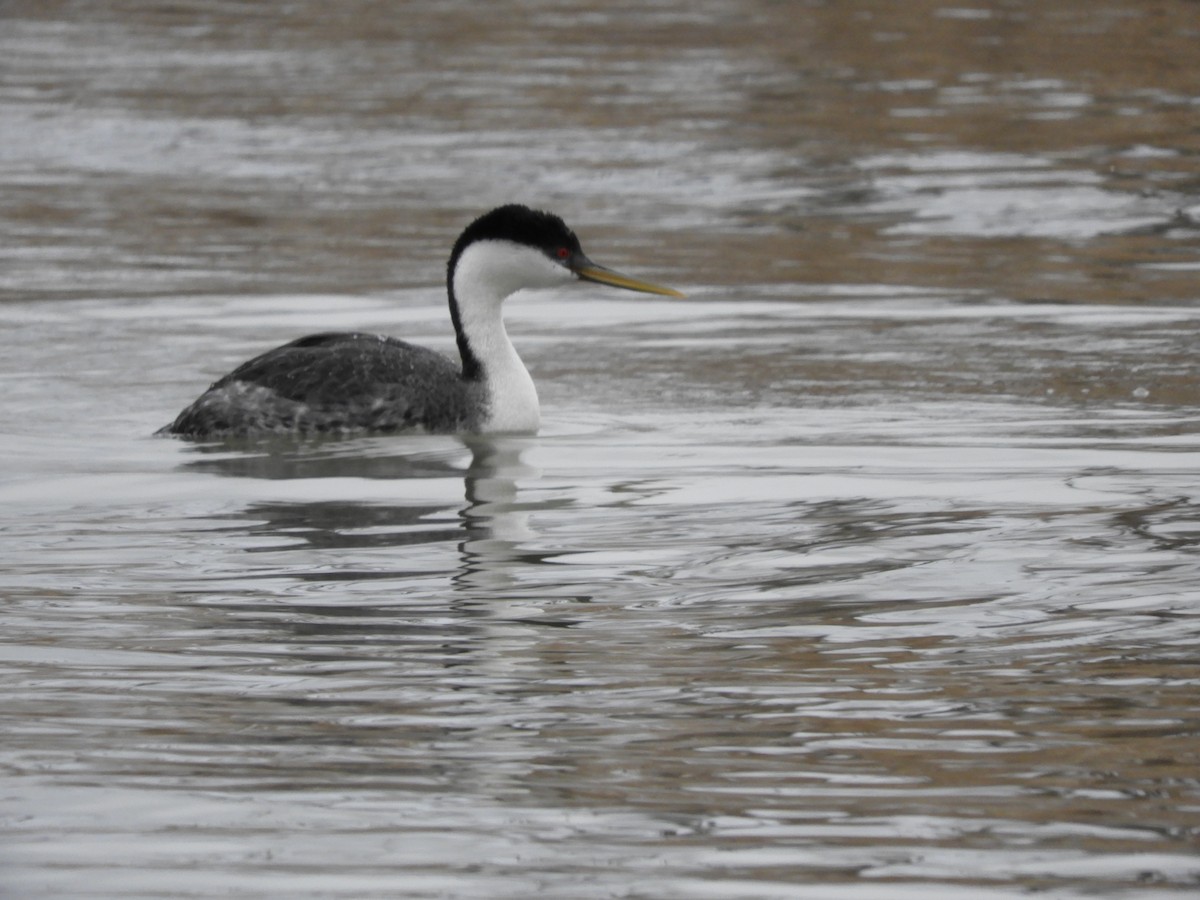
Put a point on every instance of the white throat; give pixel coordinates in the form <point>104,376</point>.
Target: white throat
<point>487,272</point>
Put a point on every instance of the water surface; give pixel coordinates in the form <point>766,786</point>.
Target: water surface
<point>869,571</point>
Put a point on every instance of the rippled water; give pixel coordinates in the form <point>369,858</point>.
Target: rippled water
<point>869,571</point>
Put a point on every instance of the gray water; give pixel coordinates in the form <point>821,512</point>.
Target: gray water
<point>870,570</point>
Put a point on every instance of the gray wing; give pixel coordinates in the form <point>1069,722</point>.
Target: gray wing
<point>335,383</point>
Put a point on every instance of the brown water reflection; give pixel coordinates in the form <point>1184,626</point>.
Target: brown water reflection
<point>1026,150</point>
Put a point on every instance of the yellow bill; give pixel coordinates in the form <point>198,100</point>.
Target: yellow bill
<point>589,271</point>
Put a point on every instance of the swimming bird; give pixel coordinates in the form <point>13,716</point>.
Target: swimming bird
<point>345,382</point>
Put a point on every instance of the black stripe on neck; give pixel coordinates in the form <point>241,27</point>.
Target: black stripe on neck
<point>472,368</point>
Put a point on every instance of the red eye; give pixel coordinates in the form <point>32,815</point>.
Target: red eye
<point>563,253</point>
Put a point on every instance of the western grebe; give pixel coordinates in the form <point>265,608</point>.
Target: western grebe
<point>352,382</point>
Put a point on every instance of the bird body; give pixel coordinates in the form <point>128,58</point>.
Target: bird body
<point>336,382</point>
<point>352,382</point>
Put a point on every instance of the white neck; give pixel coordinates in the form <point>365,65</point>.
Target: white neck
<point>486,273</point>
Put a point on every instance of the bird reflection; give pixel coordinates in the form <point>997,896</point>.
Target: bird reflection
<point>490,528</point>
<point>496,525</point>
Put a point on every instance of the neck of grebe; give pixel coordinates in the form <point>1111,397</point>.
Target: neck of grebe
<point>484,276</point>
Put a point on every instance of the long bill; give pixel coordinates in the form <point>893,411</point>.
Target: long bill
<point>589,271</point>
